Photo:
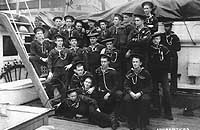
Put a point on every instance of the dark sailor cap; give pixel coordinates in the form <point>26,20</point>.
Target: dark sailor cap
<point>119,16</point>
<point>137,55</point>
<point>105,56</point>
<point>128,14</point>
<point>92,20</point>
<point>107,40</point>
<point>93,35</point>
<point>102,20</point>
<point>148,3</point>
<point>73,37</point>
<point>71,90</point>
<point>39,28</point>
<point>59,36</point>
<point>57,17</point>
<point>69,17</point>
<point>141,16</point>
<point>156,34</point>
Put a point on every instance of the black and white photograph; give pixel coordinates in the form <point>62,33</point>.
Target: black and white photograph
<point>99,64</point>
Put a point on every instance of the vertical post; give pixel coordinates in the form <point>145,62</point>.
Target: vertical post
<point>40,5</point>
<point>65,7</point>
<point>17,7</point>
<point>103,5</point>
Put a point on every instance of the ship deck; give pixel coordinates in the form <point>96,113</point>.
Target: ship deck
<point>180,121</point>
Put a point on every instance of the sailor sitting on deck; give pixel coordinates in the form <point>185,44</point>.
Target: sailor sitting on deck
<point>39,50</point>
<point>79,105</point>
<point>59,62</point>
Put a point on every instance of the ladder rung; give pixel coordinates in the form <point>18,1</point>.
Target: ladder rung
<point>21,23</point>
<point>27,43</point>
<point>25,33</point>
<point>13,19</point>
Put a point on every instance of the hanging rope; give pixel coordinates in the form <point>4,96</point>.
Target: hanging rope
<point>189,33</point>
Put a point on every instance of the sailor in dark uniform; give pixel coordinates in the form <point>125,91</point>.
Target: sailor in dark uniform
<point>67,28</point>
<point>172,41</point>
<point>139,39</point>
<point>104,32</point>
<point>108,87</point>
<point>127,22</point>
<point>80,33</point>
<point>93,53</point>
<point>77,54</point>
<point>39,50</point>
<point>59,60</point>
<point>76,106</point>
<point>89,87</point>
<point>92,27</point>
<point>119,32</point>
<point>76,51</point>
<point>151,21</point>
<point>79,75</point>
<point>137,86</point>
<point>158,66</point>
<point>111,51</point>
<point>56,29</point>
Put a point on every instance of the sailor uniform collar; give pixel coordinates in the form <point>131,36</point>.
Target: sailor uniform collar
<point>133,73</point>
<point>133,76</point>
<point>85,72</point>
<point>107,70</point>
<point>74,104</point>
<point>95,45</point>
<point>59,49</point>
<point>74,48</point>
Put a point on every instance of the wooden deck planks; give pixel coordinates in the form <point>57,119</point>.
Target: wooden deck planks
<point>180,121</point>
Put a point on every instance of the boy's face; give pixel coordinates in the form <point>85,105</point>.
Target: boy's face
<point>136,63</point>
<point>126,18</point>
<point>78,26</point>
<point>138,21</point>
<point>39,34</point>
<point>72,96</point>
<point>116,20</point>
<point>109,45</point>
<point>104,62</point>
<point>168,28</point>
<point>58,22</point>
<point>156,40</point>
<point>102,25</point>
<point>73,42</point>
<point>87,83</point>
<point>59,42</point>
<point>93,40</point>
<point>79,70</point>
<point>68,22</point>
<point>147,9</point>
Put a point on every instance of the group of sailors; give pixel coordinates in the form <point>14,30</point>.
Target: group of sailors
<point>111,68</point>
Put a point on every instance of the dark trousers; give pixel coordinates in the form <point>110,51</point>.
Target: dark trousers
<point>124,62</point>
<point>37,63</point>
<point>173,73</point>
<point>111,105</point>
<point>58,81</point>
<point>136,111</point>
<point>98,118</point>
<point>164,97</point>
